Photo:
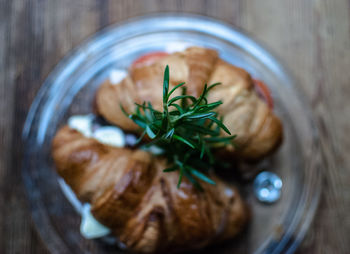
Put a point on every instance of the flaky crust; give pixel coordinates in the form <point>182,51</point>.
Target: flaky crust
<point>259,130</point>
<point>130,194</point>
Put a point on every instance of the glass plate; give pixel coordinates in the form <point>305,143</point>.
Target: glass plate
<point>70,88</point>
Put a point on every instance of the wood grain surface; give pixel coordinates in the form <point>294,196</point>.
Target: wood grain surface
<point>311,37</point>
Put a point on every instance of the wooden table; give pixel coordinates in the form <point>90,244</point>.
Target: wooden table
<point>311,37</point>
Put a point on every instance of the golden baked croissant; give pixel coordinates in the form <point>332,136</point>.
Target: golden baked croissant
<point>130,194</point>
<point>258,129</point>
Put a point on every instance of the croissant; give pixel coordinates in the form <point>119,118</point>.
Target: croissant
<point>258,129</point>
<point>130,194</point>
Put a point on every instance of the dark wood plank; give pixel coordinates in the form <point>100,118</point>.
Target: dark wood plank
<point>6,114</point>
<point>35,47</point>
<point>311,37</point>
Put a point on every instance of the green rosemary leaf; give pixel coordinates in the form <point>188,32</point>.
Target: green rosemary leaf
<point>173,90</point>
<point>139,105</point>
<point>219,139</point>
<point>183,140</point>
<point>187,131</point>
<point>178,107</point>
<point>212,86</point>
<point>192,180</point>
<point>201,97</point>
<point>166,85</point>
<point>157,115</point>
<point>208,107</point>
<point>141,137</point>
<point>150,132</point>
<point>138,112</point>
<point>202,150</point>
<point>220,124</point>
<point>123,110</point>
<point>202,164</point>
<point>165,122</point>
<point>148,115</point>
<point>175,113</point>
<point>201,115</point>
<point>169,134</point>
<point>171,169</point>
<point>138,120</point>
<point>144,107</point>
<point>184,103</point>
<point>181,97</point>
<point>199,129</point>
<point>200,175</point>
<point>156,124</point>
<point>180,177</point>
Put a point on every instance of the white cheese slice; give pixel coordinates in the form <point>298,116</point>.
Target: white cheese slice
<point>81,123</point>
<point>90,228</point>
<point>109,135</point>
<point>117,75</point>
<point>153,149</point>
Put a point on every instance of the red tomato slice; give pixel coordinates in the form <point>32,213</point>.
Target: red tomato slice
<point>148,59</point>
<point>264,92</point>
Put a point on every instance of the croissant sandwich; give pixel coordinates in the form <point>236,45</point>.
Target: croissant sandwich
<point>130,194</point>
<point>258,129</point>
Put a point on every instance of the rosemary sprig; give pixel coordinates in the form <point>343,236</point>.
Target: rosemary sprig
<point>187,131</point>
